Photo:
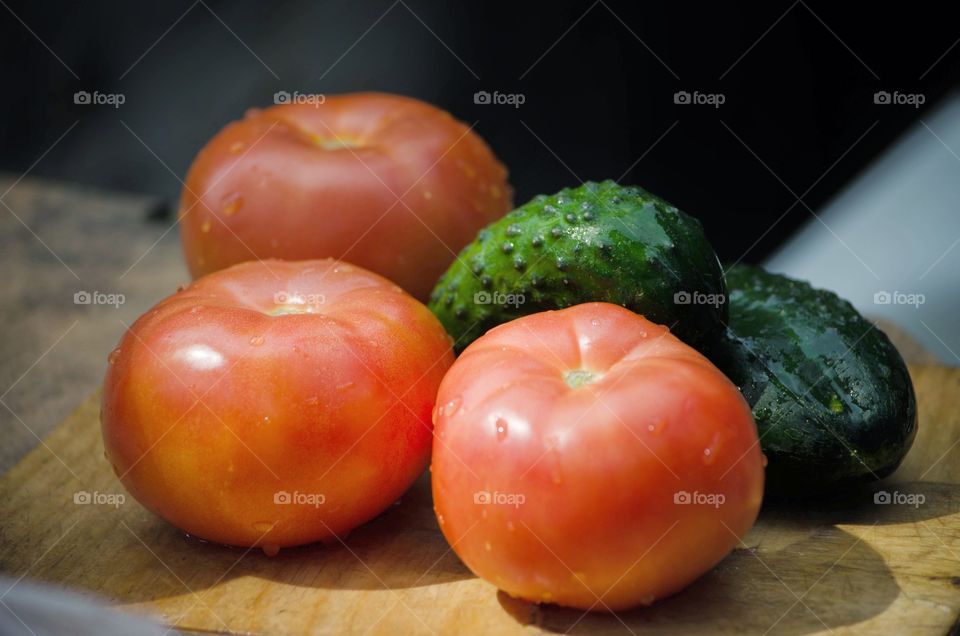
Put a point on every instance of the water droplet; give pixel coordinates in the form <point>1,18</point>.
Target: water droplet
<point>595,322</point>
<point>502,428</point>
<point>507,247</point>
<point>114,355</point>
<point>440,519</point>
<point>487,546</point>
<point>270,549</point>
<point>708,456</point>
<point>256,341</point>
<point>657,427</point>
<point>452,407</point>
<point>263,526</point>
<point>763,460</point>
<point>231,205</point>
<point>205,227</point>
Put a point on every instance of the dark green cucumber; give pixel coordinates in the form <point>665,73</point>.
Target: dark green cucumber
<point>598,242</point>
<point>831,396</point>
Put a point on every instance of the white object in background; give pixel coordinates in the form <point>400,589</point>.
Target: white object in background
<point>890,241</point>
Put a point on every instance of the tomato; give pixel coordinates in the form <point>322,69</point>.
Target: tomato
<point>587,457</point>
<point>389,183</point>
<point>275,403</point>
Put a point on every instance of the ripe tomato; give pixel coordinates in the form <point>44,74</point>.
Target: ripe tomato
<point>275,403</point>
<point>589,458</point>
<point>313,180</point>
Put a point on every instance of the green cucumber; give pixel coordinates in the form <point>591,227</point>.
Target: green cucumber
<point>831,396</point>
<point>597,242</point>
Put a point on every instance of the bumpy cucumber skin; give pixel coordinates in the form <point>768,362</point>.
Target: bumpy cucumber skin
<point>831,396</point>
<point>598,242</point>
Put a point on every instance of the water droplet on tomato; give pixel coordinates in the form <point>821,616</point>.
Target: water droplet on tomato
<point>502,428</point>
<point>595,322</point>
<point>440,519</point>
<point>763,460</point>
<point>452,407</point>
<point>256,341</point>
<point>657,427</point>
<point>263,526</point>
<point>708,456</point>
<point>231,205</point>
<point>114,355</point>
<point>270,549</point>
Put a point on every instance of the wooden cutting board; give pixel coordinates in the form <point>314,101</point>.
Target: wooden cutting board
<point>846,565</point>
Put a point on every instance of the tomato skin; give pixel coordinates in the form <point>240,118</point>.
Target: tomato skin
<point>213,407</point>
<point>279,183</point>
<point>586,485</point>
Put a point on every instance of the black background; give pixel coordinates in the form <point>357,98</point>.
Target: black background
<point>598,79</point>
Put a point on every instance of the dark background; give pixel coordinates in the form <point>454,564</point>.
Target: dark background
<point>598,80</point>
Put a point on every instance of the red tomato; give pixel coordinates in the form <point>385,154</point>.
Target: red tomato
<point>387,182</point>
<point>587,457</point>
<point>275,403</point>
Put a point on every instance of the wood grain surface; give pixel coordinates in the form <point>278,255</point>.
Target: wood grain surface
<point>847,565</point>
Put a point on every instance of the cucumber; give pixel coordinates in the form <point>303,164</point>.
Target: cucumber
<point>831,396</point>
<point>597,242</point>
